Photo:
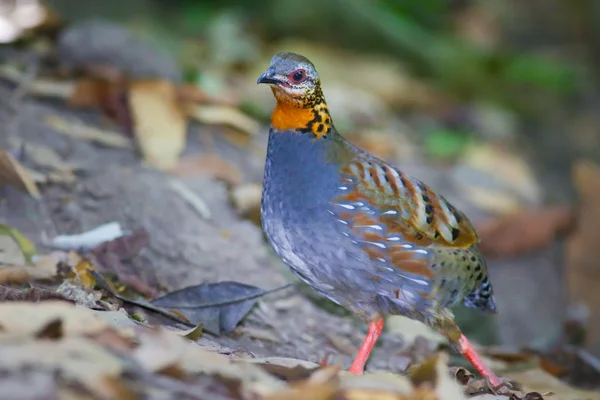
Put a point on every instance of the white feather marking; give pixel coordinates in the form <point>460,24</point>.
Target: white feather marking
<point>380,245</point>
<point>390,212</point>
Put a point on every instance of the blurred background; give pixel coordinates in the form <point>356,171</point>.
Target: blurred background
<point>492,103</point>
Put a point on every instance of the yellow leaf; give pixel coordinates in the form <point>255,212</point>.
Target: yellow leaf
<point>14,174</point>
<point>159,122</point>
<point>82,270</point>
<point>25,245</point>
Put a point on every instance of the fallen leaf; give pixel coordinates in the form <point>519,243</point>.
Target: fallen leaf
<point>26,318</point>
<point>38,87</point>
<point>34,295</point>
<point>524,231</point>
<point>192,334</point>
<point>536,380</point>
<point>45,157</point>
<point>260,334</point>
<point>582,274</point>
<point>220,306</point>
<point>77,360</point>
<point>81,131</point>
<point>224,115</point>
<point>208,164</point>
<point>188,93</point>
<point>246,200</point>
<point>160,125</point>
<point>496,180</point>
<point>52,330</point>
<point>191,197</point>
<point>83,273</point>
<point>15,248</point>
<point>411,329</point>
<point>286,368</point>
<point>14,174</point>
<point>111,256</point>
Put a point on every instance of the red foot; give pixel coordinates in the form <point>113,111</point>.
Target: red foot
<point>469,353</point>
<point>375,329</point>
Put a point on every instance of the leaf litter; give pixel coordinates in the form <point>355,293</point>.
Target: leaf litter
<point>168,361</point>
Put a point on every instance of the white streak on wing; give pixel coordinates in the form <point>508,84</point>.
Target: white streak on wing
<point>380,245</point>
<point>421,251</point>
<point>343,222</point>
<point>390,212</point>
<point>343,187</point>
<point>394,238</point>
<point>346,206</point>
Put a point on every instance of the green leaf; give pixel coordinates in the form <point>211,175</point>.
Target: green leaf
<point>443,143</point>
<point>27,247</point>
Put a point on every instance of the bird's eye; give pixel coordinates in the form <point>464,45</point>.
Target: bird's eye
<point>298,76</point>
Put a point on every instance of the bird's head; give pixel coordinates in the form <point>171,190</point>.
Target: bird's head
<point>300,102</point>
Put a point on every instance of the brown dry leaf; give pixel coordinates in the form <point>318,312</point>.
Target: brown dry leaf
<point>289,369</point>
<point>374,384</point>
<point>246,200</point>
<point>25,318</point>
<point>14,174</point>
<point>79,130</point>
<point>106,94</point>
<point>536,380</point>
<point>90,92</point>
<point>38,87</point>
<point>34,295</point>
<point>45,157</point>
<point>162,349</point>
<point>524,231</point>
<point>160,124</point>
<point>188,93</point>
<point>583,252</point>
<point>224,115</point>
<point>18,260</point>
<point>208,164</point>
<point>410,330</point>
<point>321,391</point>
<point>16,274</point>
<point>77,360</point>
<point>514,183</point>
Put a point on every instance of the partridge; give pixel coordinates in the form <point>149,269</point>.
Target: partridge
<point>358,231</point>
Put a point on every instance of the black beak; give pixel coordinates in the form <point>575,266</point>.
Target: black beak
<point>268,77</point>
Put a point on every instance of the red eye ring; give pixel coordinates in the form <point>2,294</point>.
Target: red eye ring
<point>297,76</point>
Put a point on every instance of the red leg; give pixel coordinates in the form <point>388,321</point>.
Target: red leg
<point>469,353</point>
<point>375,329</point>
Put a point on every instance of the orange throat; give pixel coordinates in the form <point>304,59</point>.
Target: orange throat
<point>305,115</point>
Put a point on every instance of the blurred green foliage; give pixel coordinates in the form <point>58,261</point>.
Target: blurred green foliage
<point>422,34</point>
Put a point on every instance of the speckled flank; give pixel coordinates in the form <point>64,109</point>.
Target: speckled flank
<point>424,214</point>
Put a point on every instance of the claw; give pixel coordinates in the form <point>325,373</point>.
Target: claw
<point>495,389</point>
